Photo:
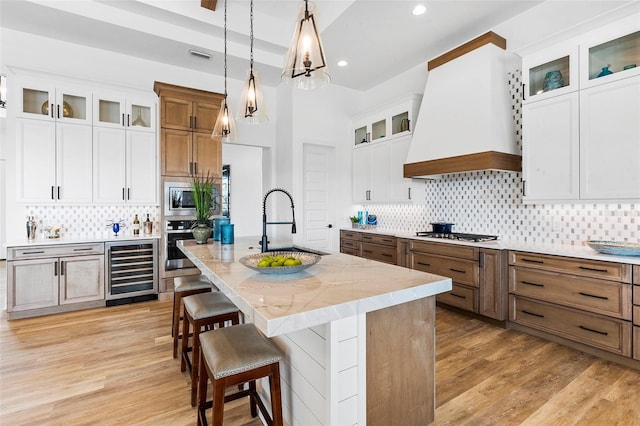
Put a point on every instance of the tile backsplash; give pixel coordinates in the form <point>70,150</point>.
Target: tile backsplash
<point>489,202</point>
<point>90,220</point>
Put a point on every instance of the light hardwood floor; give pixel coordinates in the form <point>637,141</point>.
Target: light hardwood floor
<point>113,366</point>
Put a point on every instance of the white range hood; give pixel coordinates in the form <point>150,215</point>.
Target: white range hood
<point>466,120</point>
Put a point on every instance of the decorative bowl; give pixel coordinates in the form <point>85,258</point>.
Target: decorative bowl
<point>617,248</point>
<point>308,259</point>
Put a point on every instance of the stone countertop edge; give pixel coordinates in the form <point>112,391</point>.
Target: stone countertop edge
<point>290,322</point>
<point>582,251</point>
<point>80,240</point>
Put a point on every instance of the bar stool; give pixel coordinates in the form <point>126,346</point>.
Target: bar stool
<point>233,356</point>
<point>183,287</point>
<point>203,311</point>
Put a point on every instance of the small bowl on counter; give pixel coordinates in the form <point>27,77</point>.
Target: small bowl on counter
<point>617,248</point>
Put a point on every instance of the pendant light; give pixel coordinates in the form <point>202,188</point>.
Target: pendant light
<point>254,110</point>
<point>306,66</point>
<point>225,127</point>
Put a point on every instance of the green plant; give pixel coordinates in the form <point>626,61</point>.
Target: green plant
<point>354,219</point>
<point>204,197</point>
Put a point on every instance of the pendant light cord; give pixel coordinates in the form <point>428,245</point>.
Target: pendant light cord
<point>251,37</point>
<point>225,52</point>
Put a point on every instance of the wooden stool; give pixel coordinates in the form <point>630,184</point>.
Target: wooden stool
<point>183,287</point>
<point>203,310</point>
<point>232,356</point>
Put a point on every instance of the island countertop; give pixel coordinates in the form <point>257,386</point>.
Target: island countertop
<point>337,287</point>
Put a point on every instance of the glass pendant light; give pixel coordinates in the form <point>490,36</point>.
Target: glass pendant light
<point>225,127</point>
<point>306,66</point>
<point>254,110</point>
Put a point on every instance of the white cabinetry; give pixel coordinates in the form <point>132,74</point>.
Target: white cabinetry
<point>41,100</point>
<point>54,278</point>
<point>125,148</point>
<point>581,136</point>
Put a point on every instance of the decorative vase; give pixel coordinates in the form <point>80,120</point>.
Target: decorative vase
<point>217,226</point>
<point>605,71</point>
<point>201,233</point>
<point>553,80</point>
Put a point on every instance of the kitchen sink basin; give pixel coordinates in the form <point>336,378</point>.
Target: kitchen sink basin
<point>297,250</point>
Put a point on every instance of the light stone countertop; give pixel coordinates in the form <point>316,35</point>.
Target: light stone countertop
<point>338,286</point>
<point>579,251</point>
<point>101,237</point>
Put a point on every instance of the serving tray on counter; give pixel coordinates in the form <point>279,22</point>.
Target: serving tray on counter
<point>617,248</point>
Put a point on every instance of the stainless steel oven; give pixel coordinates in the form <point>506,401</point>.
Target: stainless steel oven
<point>178,199</point>
<point>174,231</point>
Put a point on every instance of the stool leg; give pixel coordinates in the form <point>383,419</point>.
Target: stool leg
<point>195,361</point>
<point>218,402</point>
<point>175,324</point>
<point>203,378</point>
<point>185,341</point>
<point>276,397</point>
<point>252,398</point>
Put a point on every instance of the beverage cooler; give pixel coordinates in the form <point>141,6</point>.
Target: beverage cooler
<point>131,271</point>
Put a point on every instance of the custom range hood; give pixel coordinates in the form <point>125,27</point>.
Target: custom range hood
<point>466,120</point>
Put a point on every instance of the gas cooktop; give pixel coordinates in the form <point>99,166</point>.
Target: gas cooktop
<point>457,236</point>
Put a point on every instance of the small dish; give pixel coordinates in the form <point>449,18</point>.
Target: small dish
<point>617,248</point>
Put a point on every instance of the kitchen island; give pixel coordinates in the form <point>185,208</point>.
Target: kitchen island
<point>357,336</point>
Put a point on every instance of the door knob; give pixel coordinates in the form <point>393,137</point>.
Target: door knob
<point>329,226</point>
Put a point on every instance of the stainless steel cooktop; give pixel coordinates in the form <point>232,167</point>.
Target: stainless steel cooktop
<point>457,236</point>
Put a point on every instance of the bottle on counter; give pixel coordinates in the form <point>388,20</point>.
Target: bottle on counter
<point>31,228</point>
<point>136,226</point>
<point>148,226</point>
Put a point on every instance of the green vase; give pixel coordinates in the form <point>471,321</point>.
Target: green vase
<point>201,233</point>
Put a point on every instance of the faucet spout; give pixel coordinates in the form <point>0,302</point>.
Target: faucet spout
<point>264,242</point>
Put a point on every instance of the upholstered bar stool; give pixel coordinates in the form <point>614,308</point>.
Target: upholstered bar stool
<point>203,312</point>
<point>183,287</point>
<point>234,356</point>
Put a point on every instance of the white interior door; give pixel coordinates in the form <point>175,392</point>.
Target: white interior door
<point>318,164</point>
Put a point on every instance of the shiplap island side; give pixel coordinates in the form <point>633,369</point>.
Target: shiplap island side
<point>357,336</point>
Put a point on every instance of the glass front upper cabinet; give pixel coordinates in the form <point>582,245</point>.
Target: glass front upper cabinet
<point>550,73</point>
<point>114,111</point>
<point>60,104</point>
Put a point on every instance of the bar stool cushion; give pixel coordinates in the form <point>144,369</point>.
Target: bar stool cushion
<point>233,350</point>
<point>206,305</point>
<point>191,282</point>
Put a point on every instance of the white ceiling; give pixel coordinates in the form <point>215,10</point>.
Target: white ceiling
<point>379,39</point>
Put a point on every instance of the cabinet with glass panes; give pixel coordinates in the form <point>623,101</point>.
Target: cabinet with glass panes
<point>124,111</point>
<point>41,100</point>
<point>550,72</point>
<point>390,120</point>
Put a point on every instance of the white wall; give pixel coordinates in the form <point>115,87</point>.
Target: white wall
<point>246,187</point>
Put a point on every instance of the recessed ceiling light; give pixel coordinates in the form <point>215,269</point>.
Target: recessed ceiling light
<point>342,63</point>
<point>419,10</point>
<point>199,54</point>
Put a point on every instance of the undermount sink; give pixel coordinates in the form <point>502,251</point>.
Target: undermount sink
<point>296,249</point>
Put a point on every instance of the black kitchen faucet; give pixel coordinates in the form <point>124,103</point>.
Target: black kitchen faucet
<point>264,242</point>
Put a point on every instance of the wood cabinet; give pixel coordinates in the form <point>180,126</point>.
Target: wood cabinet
<point>372,246</point>
<point>636,312</point>
<point>350,242</point>
<point>476,274</point>
<point>187,118</point>
<point>581,136</point>
<point>583,300</point>
<point>58,278</point>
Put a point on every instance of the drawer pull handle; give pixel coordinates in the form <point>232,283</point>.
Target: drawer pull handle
<point>387,240</point>
<point>533,313</point>
<point>458,271</point>
<point>83,249</point>
<point>534,284</point>
<point>33,252</point>
<point>604,333</point>
<point>524,259</point>
<point>386,254</point>
<point>459,296</point>
<point>424,264</point>
<point>586,268</point>
<point>594,296</point>
<point>367,251</point>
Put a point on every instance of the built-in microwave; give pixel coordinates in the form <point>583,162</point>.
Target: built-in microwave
<point>178,199</point>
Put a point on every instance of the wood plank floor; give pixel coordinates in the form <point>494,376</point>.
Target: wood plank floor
<point>113,366</point>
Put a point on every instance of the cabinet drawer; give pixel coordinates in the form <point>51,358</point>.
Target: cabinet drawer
<point>351,251</point>
<point>636,343</point>
<point>606,333</point>
<point>599,296</point>
<point>350,244</point>
<point>574,266</point>
<point>350,235</point>
<point>636,315</point>
<point>636,274</point>
<point>636,295</point>
<point>461,297</point>
<point>57,250</point>
<point>452,250</point>
<point>460,271</point>
<point>385,240</point>
<point>377,252</point>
